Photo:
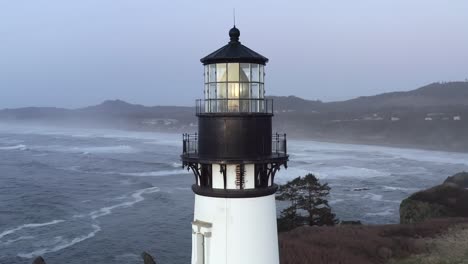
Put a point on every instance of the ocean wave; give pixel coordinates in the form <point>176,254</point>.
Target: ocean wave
<point>85,149</point>
<point>176,164</point>
<point>153,173</point>
<point>395,188</point>
<point>107,149</point>
<point>16,147</point>
<point>335,201</point>
<point>331,172</point>
<point>382,213</point>
<point>373,197</point>
<point>133,174</point>
<point>8,242</point>
<point>61,244</point>
<point>379,198</point>
<point>136,196</point>
<point>58,243</point>
<point>33,225</point>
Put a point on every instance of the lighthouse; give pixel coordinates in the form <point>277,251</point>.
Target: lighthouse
<point>234,157</point>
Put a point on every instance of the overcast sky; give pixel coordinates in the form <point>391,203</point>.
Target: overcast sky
<point>80,52</point>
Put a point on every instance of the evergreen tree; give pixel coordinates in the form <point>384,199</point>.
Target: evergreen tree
<point>308,203</point>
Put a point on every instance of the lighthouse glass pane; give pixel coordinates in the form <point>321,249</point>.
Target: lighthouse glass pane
<point>254,103</point>
<point>221,74</point>
<point>233,95</point>
<point>255,73</point>
<point>213,105</point>
<point>222,95</point>
<point>233,72</point>
<point>244,94</point>
<point>206,73</point>
<point>261,95</point>
<point>255,91</point>
<point>244,91</point>
<point>262,74</point>
<point>245,72</point>
<point>212,77</point>
<point>207,103</point>
<point>261,92</point>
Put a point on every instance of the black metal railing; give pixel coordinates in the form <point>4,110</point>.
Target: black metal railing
<point>190,144</point>
<point>279,144</point>
<point>240,105</point>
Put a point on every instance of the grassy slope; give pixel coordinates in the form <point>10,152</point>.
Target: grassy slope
<point>449,248</point>
<point>435,240</point>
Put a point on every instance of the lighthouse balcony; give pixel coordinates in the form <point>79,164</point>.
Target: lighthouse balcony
<point>241,153</point>
<point>234,106</point>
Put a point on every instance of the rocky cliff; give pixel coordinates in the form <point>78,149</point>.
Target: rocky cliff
<point>449,199</point>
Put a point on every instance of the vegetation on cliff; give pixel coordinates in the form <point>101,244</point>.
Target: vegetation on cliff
<point>308,203</point>
<point>449,199</point>
<point>434,241</point>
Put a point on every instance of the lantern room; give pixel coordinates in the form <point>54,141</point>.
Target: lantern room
<point>234,79</point>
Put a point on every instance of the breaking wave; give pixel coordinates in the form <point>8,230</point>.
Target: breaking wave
<point>61,243</point>
<point>136,196</point>
<point>16,147</point>
<point>153,173</point>
<point>34,225</point>
<point>382,213</point>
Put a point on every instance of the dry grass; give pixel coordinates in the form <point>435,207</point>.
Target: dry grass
<point>369,244</point>
<point>449,248</point>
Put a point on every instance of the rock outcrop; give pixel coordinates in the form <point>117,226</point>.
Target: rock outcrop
<point>39,260</point>
<point>147,258</point>
<point>459,179</point>
<point>449,199</point>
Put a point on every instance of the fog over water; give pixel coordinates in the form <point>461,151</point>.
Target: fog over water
<point>102,196</point>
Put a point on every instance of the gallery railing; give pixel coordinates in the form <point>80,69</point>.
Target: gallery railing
<point>190,144</point>
<point>279,144</point>
<point>206,106</point>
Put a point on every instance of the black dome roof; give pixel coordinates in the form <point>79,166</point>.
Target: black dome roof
<point>234,51</point>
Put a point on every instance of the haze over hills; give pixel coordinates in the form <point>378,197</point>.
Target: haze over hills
<point>448,95</point>
<point>434,116</point>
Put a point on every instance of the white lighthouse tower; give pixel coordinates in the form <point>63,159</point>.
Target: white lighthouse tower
<point>234,158</point>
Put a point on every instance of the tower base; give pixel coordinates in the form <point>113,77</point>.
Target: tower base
<point>235,230</point>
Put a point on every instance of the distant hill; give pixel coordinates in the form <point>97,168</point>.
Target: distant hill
<point>436,95</point>
<point>434,116</point>
<point>433,96</point>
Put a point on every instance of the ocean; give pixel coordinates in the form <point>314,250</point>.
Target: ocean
<point>79,196</point>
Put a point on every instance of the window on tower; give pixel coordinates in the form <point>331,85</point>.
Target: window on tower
<point>234,87</point>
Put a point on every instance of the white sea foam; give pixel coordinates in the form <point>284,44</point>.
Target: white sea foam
<point>379,198</point>
<point>16,147</point>
<point>335,201</point>
<point>61,243</point>
<point>331,172</point>
<point>177,165</point>
<point>86,149</point>
<point>9,242</point>
<point>382,213</point>
<point>153,173</point>
<point>373,197</point>
<point>302,148</point>
<point>33,225</point>
<point>136,198</point>
<point>156,137</point>
<point>102,150</point>
<point>395,188</point>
